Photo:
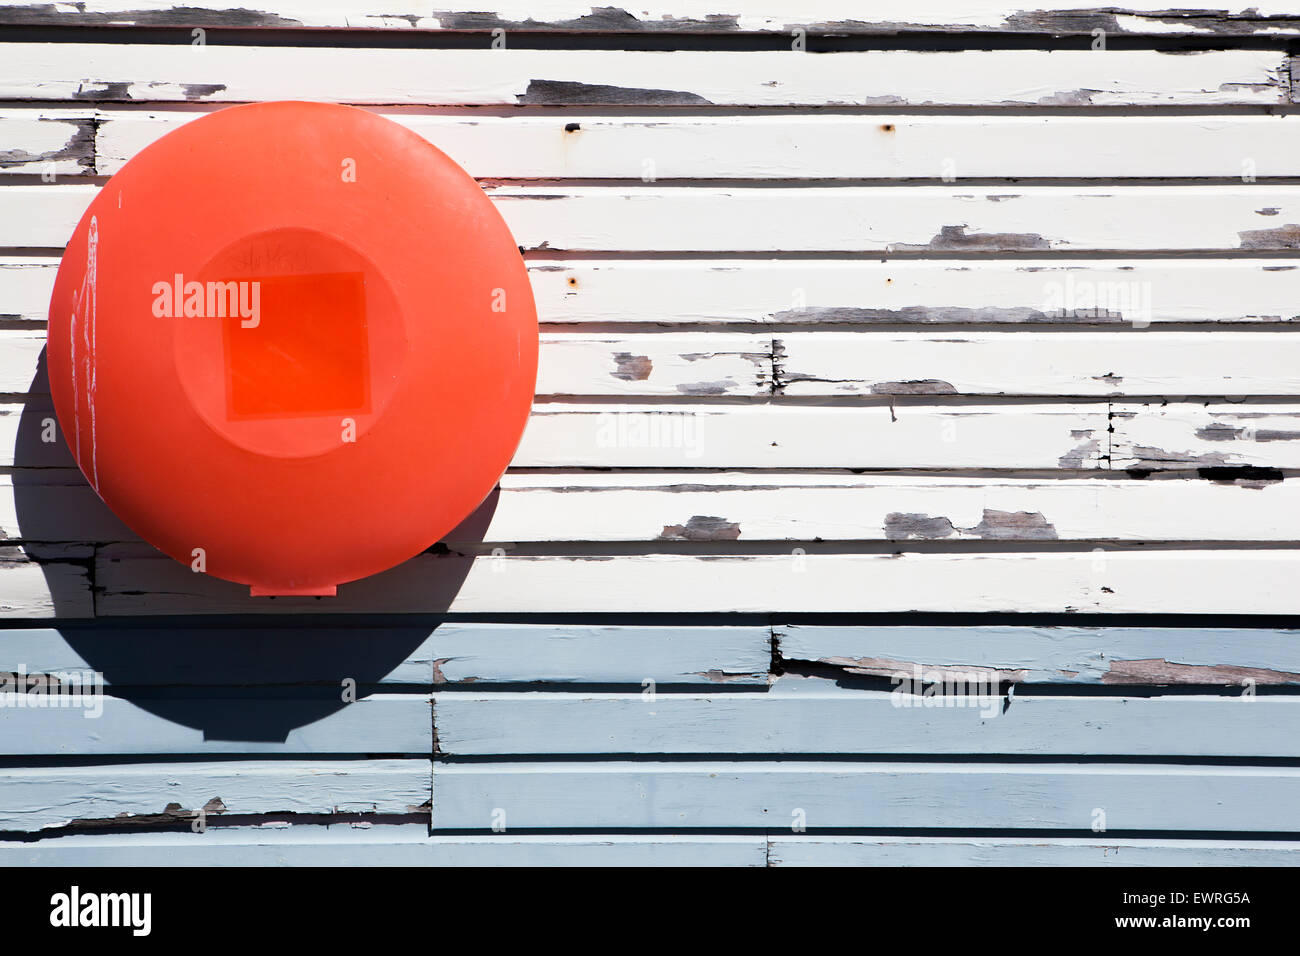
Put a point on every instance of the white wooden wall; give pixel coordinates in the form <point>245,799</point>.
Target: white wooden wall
<point>964,338</point>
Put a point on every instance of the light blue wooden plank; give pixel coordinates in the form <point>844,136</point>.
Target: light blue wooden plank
<point>379,724</point>
<point>32,798</point>
<point>817,720</point>
<point>148,656</point>
<point>410,845</point>
<point>950,851</point>
<point>380,845</point>
<point>487,653</point>
<point>1077,655</point>
<point>715,794</point>
<point>405,654</point>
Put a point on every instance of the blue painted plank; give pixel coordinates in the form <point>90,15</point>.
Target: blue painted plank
<point>1070,655</point>
<point>494,653</point>
<point>818,719</point>
<point>379,724</point>
<point>411,845</point>
<point>33,798</point>
<point>167,655</point>
<point>1095,852</point>
<point>380,845</point>
<point>781,794</point>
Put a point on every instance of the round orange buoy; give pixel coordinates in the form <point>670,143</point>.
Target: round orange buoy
<point>292,345</point>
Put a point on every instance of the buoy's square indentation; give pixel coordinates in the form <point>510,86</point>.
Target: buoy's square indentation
<point>303,351</point>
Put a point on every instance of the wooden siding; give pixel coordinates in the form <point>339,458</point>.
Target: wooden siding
<point>679,17</point>
<point>898,403</point>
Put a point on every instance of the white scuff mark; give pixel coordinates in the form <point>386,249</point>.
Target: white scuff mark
<point>86,302</point>
<point>72,359</point>
<point>92,272</point>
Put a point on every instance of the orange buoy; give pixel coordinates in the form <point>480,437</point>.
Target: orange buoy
<point>292,345</point>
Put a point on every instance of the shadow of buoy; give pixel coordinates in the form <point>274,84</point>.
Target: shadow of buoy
<point>247,676</point>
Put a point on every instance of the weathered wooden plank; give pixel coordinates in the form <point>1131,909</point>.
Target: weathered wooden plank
<point>743,436</point>
<point>95,724</point>
<point>1025,363</point>
<point>30,435</point>
<point>910,292</point>
<point>171,655</point>
<point>655,364</point>
<point>411,845</point>
<point>134,580</point>
<point>46,581</point>
<point>917,219</point>
<point>792,507</point>
<point>21,352</point>
<point>775,436</point>
<point>777,794</point>
<point>180,656</point>
<point>25,287</point>
<point>1006,851</point>
<point>637,364</point>
<point>381,845</point>
<point>856,293</point>
<point>817,720</point>
<point>499,653</point>
<point>797,507</point>
<point>35,798</point>
<point>876,219</point>
<point>836,146</point>
<point>1057,655</point>
<point>51,210</point>
<point>177,72</point>
<point>56,505</point>
<point>1185,434</point>
<point>46,143</point>
<point>681,16</point>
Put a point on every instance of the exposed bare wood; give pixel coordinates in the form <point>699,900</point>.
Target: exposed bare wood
<point>1214,437</point>
<point>1005,654</point>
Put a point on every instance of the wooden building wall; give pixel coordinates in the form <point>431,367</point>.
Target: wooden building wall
<point>941,338</point>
